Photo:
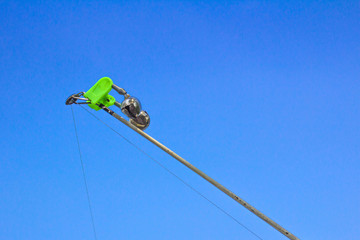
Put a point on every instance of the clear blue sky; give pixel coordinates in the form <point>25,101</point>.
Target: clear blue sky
<point>264,97</point>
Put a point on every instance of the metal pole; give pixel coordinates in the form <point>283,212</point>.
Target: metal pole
<point>203,175</point>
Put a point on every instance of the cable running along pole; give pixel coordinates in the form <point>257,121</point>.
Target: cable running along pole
<point>98,98</point>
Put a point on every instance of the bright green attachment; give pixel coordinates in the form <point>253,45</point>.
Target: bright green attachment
<point>99,94</point>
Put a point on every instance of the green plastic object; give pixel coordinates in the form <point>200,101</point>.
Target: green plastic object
<point>99,94</point>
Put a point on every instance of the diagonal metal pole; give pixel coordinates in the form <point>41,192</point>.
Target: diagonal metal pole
<point>203,175</point>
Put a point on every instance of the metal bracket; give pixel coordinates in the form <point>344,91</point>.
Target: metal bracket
<point>73,99</point>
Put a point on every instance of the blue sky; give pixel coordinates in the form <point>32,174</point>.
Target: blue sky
<point>262,96</point>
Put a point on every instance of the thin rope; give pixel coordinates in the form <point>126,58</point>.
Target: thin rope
<point>172,173</point>
<point>84,176</point>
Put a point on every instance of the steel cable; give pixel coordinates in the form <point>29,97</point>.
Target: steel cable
<point>176,176</point>
<point>84,176</point>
